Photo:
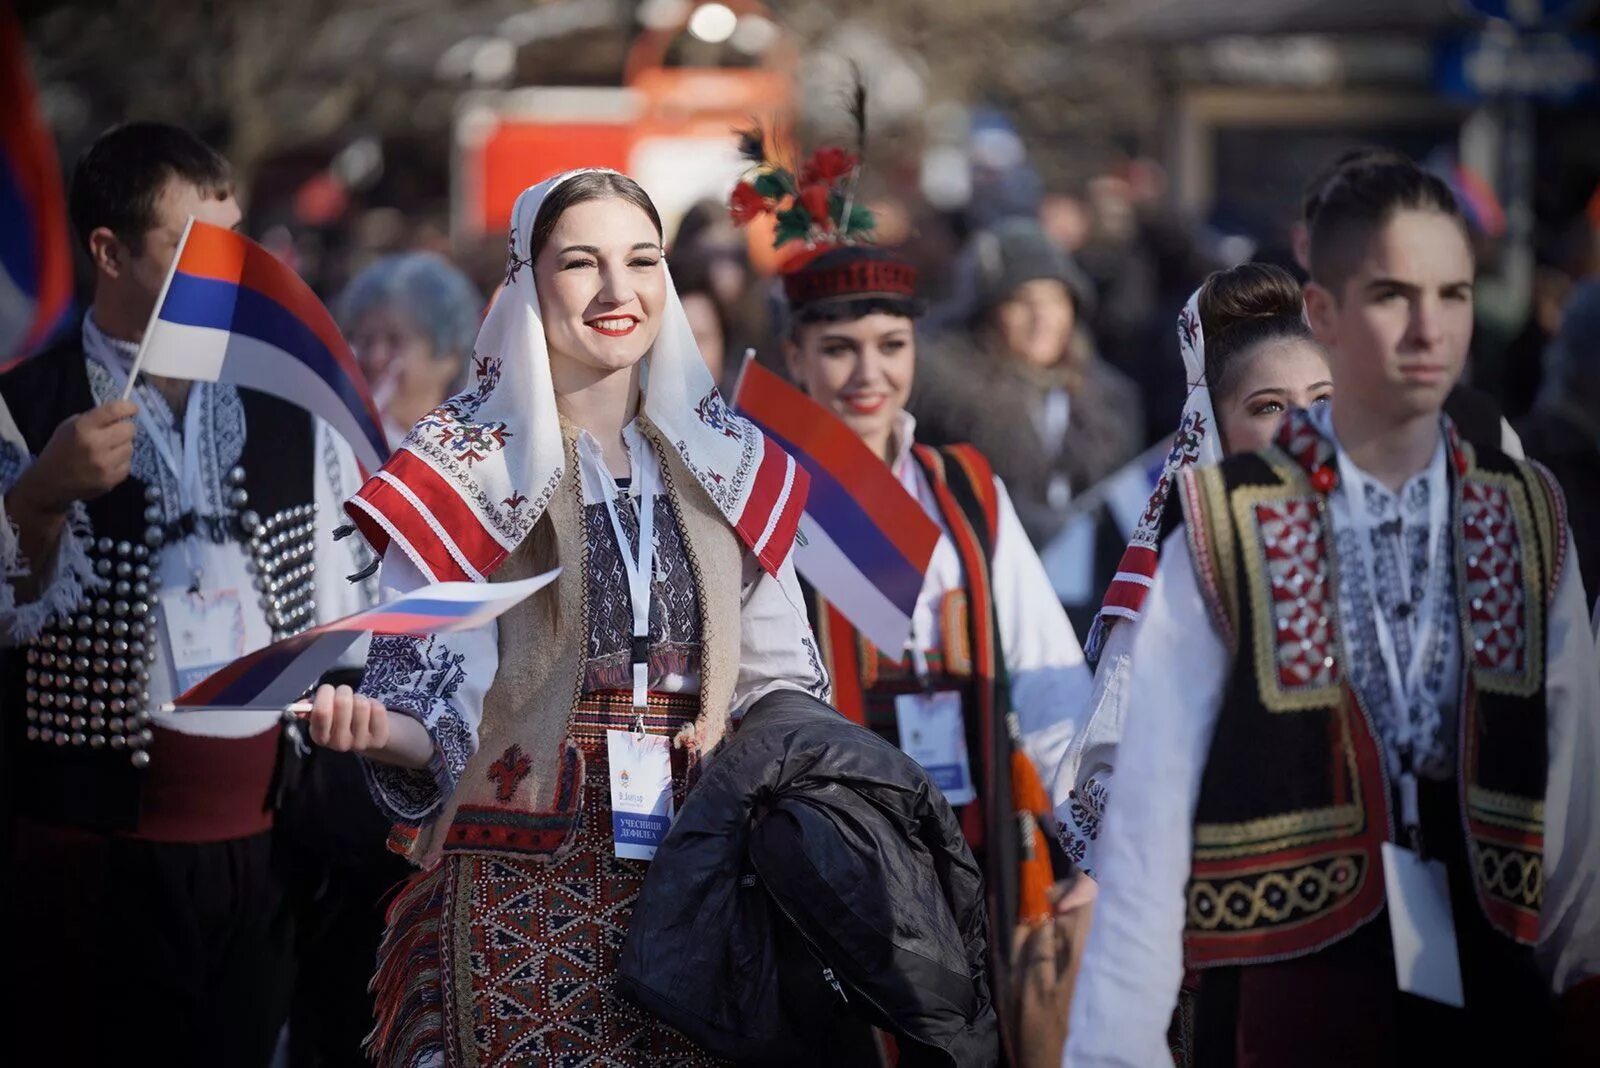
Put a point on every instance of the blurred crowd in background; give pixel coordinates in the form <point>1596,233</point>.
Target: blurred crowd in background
<point>1063,175</point>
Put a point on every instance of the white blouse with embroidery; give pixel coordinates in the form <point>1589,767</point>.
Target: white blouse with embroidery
<point>1176,671</point>
<point>441,681</point>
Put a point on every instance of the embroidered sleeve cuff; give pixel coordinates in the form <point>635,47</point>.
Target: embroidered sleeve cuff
<point>421,678</point>
<point>410,795</point>
<point>70,576</point>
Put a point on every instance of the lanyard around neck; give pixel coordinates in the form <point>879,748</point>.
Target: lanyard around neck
<point>639,567</point>
<point>1403,680</point>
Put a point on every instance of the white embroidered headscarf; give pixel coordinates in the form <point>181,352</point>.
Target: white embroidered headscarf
<point>1197,441</point>
<point>475,474</point>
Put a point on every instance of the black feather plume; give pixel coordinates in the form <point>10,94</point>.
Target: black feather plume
<point>753,144</point>
<point>858,109</point>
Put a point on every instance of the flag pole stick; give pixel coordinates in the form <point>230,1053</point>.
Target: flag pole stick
<point>301,709</point>
<point>155,312</point>
<point>738,380</point>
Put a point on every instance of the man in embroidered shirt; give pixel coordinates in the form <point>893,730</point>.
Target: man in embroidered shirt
<point>1377,636</point>
<point>156,540</point>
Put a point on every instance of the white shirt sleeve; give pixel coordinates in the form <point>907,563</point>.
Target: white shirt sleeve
<point>1082,782</point>
<point>1133,963</point>
<point>67,576</point>
<point>1510,443</point>
<point>1050,679</point>
<point>777,650</point>
<point>1569,939</point>
<point>438,680</point>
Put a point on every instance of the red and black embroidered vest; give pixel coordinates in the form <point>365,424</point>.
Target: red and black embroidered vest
<point>1295,799</point>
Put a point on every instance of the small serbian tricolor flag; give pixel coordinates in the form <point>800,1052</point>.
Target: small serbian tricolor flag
<point>233,312</point>
<point>276,676</point>
<point>35,243</point>
<point>865,542</point>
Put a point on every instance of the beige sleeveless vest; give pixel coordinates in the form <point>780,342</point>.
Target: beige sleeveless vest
<point>527,708</point>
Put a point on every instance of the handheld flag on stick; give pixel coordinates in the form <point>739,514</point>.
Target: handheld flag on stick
<point>230,311</point>
<point>272,677</point>
<point>865,542</point>
<point>35,244</point>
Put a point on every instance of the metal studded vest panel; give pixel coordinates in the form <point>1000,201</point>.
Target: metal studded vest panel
<point>82,685</point>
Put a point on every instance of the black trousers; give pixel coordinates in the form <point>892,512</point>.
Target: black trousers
<point>342,881</point>
<point>338,924</point>
<point>135,952</point>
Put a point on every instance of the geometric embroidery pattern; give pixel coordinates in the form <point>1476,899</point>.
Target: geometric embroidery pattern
<point>1497,608</point>
<point>1085,809</point>
<point>509,771</point>
<point>1273,897</point>
<point>544,937</point>
<point>1514,875</point>
<point>714,413</point>
<point>1297,571</point>
<point>471,442</point>
<point>1306,445</point>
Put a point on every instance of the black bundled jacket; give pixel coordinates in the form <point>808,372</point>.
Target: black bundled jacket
<point>815,881</point>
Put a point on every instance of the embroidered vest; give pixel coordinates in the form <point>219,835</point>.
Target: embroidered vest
<point>1295,799</point>
<point>83,728</point>
<point>540,678</point>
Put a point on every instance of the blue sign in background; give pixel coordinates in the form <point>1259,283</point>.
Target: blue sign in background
<point>1528,13</point>
<point>1551,68</point>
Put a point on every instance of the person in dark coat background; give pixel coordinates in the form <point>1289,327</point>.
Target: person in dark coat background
<point>1026,386</point>
<point>1563,430</point>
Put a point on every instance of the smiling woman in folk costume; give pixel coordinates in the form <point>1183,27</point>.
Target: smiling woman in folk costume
<point>590,416</point>
<point>992,658</point>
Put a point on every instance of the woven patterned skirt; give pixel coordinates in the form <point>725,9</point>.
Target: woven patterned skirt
<point>493,961</point>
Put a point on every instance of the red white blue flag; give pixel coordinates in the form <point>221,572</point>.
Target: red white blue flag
<point>233,312</point>
<point>865,542</point>
<point>35,243</point>
<point>276,676</point>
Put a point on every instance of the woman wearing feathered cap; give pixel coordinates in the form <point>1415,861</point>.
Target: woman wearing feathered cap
<point>992,677</point>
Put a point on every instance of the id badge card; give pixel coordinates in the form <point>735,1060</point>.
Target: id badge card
<point>641,792</point>
<point>204,632</point>
<point>1426,961</point>
<point>933,733</point>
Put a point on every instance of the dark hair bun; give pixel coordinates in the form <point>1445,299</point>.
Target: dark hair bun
<point>1248,291</point>
<point>1242,307</point>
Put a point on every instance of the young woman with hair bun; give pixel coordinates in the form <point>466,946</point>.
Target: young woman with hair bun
<point>1249,358</point>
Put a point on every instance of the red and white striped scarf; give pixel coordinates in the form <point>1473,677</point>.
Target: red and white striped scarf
<point>1197,441</point>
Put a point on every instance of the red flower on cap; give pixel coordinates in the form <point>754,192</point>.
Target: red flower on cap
<point>815,199</point>
<point>746,204</point>
<point>827,165</point>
